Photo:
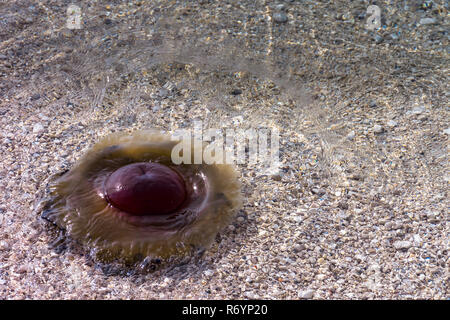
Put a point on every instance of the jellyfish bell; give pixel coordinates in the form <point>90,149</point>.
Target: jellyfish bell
<point>145,188</point>
<point>126,196</point>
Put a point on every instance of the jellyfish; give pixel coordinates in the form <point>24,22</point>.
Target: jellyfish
<point>126,196</point>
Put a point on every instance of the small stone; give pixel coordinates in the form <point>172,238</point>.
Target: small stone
<point>43,117</point>
<point>306,294</point>
<point>427,4</point>
<point>299,247</point>
<point>280,17</point>
<point>38,128</point>
<point>417,239</point>
<point>351,135</point>
<point>392,123</point>
<point>425,21</point>
<point>446,131</point>
<point>67,33</point>
<point>231,227</point>
<point>319,192</point>
<point>236,92</point>
<point>4,246</point>
<point>163,92</point>
<point>402,245</point>
<point>418,110</point>
<point>35,96</point>
<point>276,177</point>
<point>145,264</point>
<point>394,36</point>
<point>343,205</point>
<point>377,128</point>
<point>378,38</point>
<point>423,117</point>
<point>208,273</point>
<point>240,219</point>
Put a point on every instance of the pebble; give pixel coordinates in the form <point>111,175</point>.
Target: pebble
<point>299,247</point>
<point>338,231</point>
<point>417,239</point>
<point>425,21</point>
<point>208,273</point>
<point>4,246</point>
<point>276,177</point>
<point>321,277</point>
<point>377,128</point>
<point>38,128</point>
<point>392,123</point>
<point>318,191</point>
<point>35,96</point>
<point>163,92</point>
<point>402,245</point>
<point>394,36</point>
<point>418,110</point>
<point>43,117</point>
<point>378,38</point>
<point>280,17</point>
<point>306,294</point>
<point>351,135</point>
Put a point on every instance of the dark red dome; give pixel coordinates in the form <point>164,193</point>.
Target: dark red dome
<point>145,189</point>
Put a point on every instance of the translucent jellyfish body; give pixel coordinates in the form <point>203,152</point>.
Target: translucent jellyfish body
<point>126,196</point>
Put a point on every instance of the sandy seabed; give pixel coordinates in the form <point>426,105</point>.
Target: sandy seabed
<point>359,208</point>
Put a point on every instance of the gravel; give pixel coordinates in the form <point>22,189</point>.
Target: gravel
<point>363,217</point>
